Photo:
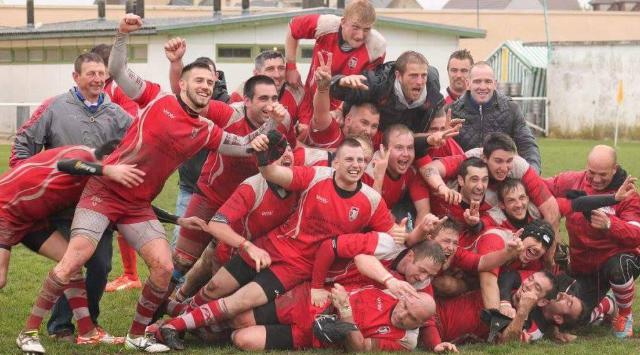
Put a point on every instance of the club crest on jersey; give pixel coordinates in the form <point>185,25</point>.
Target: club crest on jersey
<point>353,61</point>
<point>194,132</point>
<point>353,213</point>
<point>384,329</point>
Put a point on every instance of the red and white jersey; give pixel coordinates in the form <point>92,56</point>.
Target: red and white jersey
<point>121,99</point>
<point>289,97</point>
<point>306,156</point>
<point>590,248</point>
<point>344,271</point>
<point>163,137</point>
<point>533,183</point>
<point>465,260</point>
<point>394,189</point>
<point>330,137</point>
<point>372,309</point>
<point>496,239</point>
<point>498,218</point>
<point>460,316</point>
<point>325,29</point>
<point>254,209</point>
<point>323,212</point>
<point>221,174</point>
<point>35,189</point>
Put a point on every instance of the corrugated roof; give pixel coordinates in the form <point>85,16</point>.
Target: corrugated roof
<point>533,56</point>
<point>186,24</point>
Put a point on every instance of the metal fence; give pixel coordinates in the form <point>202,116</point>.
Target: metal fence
<point>536,112</point>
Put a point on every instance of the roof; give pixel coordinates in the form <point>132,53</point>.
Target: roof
<point>534,56</point>
<point>513,4</point>
<point>152,26</point>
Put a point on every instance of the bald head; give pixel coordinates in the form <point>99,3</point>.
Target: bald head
<point>601,166</point>
<point>412,311</point>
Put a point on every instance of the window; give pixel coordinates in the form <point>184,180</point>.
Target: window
<point>234,53</point>
<point>69,54</point>
<point>36,55</point>
<point>138,53</point>
<point>5,55</point>
<point>275,47</point>
<point>306,53</point>
<point>53,55</point>
<point>20,55</point>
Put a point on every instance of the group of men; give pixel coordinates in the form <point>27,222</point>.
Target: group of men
<point>360,210</point>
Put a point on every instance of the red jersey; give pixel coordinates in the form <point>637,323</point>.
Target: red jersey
<point>590,248</point>
<point>121,99</point>
<point>254,208</point>
<point>221,174</point>
<point>394,189</point>
<point>35,189</point>
<point>449,148</point>
<point>533,183</point>
<point>495,239</point>
<point>324,212</point>
<point>456,319</point>
<point>289,98</point>
<point>330,137</point>
<point>465,260</point>
<point>326,31</point>
<point>163,137</point>
<point>305,156</point>
<point>372,309</point>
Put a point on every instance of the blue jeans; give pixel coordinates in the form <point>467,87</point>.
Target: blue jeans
<point>96,276</point>
<point>182,201</point>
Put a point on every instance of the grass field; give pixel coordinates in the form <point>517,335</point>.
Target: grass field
<point>27,272</point>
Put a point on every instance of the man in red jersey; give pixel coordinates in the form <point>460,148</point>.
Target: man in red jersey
<point>604,244</point>
<point>255,208</point>
<point>40,187</point>
<point>168,131</point>
<point>271,63</point>
<point>222,174</point>
<point>355,47</point>
<point>392,173</point>
<point>292,246</point>
<point>458,319</point>
<point>458,68</point>
<point>327,130</point>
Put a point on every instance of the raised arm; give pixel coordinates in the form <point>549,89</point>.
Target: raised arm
<point>132,84</point>
<point>290,51</point>
<point>174,49</point>
<point>321,100</point>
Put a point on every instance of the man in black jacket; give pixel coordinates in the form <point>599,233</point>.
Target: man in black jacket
<point>485,110</point>
<point>406,91</point>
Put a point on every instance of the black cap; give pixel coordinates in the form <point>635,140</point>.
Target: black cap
<point>541,230</point>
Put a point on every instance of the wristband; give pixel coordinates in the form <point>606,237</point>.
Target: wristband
<point>290,66</point>
<point>243,245</point>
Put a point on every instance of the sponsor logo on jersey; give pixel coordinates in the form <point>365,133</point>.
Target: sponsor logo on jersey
<point>266,213</point>
<point>194,132</point>
<point>168,113</point>
<point>322,199</point>
<point>353,213</point>
<point>353,61</point>
<point>379,304</point>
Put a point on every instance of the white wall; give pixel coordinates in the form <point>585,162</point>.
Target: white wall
<point>582,85</point>
<point>36,82</point>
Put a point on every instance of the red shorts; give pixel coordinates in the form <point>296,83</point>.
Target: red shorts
<point>12,233</point>
<point>191,243</point>
<point>98,198</point>
<point>288,272</point>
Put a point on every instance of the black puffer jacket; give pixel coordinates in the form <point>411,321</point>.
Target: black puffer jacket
<point>500,114</point>
<point>381,92</point>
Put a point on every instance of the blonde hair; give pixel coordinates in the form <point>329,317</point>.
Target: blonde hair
<point>367,145</point>
<point>360,11</point>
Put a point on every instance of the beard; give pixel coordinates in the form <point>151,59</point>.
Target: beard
<point>197,100</point>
